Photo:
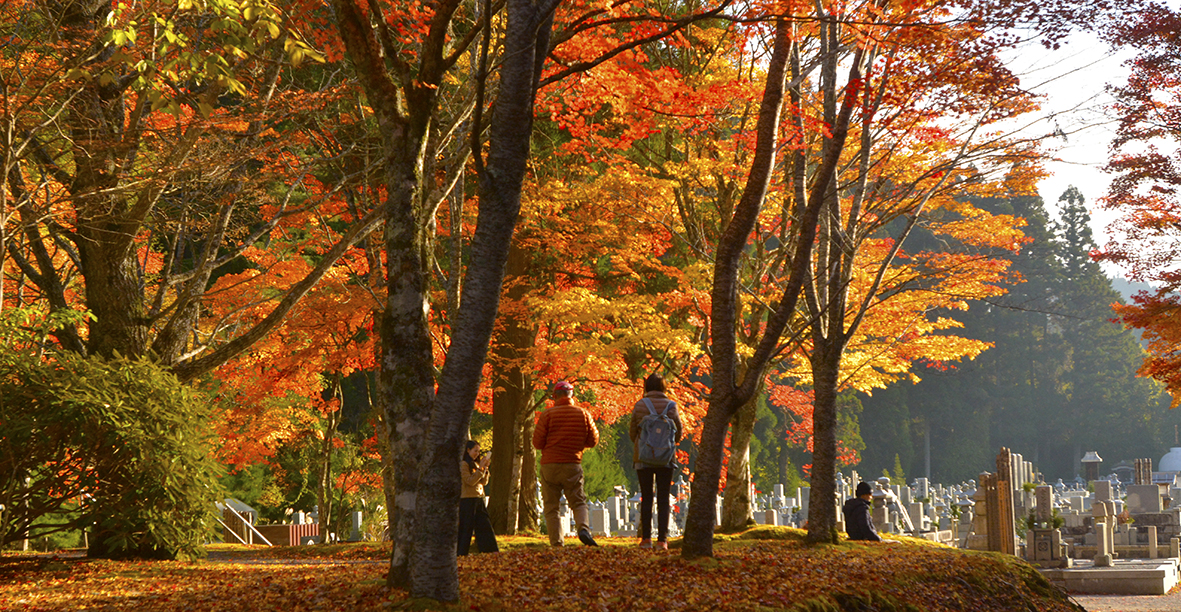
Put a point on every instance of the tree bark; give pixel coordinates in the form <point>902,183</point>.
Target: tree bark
<point>510,397</point>
<point>405,381</point>
<point>435,573</point>
<point>737,511</point>
<point>528,517</point>
<point>822,508</point>
<point>727,396</point>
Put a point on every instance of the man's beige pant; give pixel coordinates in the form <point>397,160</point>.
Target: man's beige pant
<point>556,479</point>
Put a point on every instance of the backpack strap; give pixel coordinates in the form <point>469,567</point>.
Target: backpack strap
<point>652,409</point>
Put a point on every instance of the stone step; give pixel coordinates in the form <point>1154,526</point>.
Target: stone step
<point>1133,577</point>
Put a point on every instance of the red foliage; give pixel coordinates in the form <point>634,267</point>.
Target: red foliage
<point>1146,239</point>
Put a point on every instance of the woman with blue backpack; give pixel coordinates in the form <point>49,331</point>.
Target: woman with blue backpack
<point>655,431</point>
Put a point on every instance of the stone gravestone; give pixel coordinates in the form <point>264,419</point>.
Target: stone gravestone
<point>1045,539</point>
<point>355,534</point>
<point>1104,520</point>
<point>1102,490</point>
<point>600,520</point>
<point>1044,500</point>
<point>922,485</point>
<point>1144,498</point>
<point>623,518</point>
<point>565,518</point>
<point>998,497</point>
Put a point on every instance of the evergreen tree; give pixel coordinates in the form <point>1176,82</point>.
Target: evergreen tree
<point>1059,381</point>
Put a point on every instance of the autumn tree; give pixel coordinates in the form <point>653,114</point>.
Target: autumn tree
<point>873,120</point>
<point>144,239</point>
<point>139,165</point>
<point>1144,240</point>
<point>426,429</point>
<point>902,172</point>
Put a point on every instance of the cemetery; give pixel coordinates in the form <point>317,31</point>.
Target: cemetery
<point>1092,535</point>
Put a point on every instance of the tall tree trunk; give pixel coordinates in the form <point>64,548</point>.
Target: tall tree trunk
<point>435,573</point>
<point>324,482</point>
<point>737,510</point>
<point>728,395</point>
<point>405,380</point>
<point>406,377</point>
<point>528,517</point>
<point>822,508</point>
<point>510,396</point>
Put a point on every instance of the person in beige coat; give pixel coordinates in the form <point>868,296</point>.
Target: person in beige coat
<point>473,513</point>
<point>654,402</point>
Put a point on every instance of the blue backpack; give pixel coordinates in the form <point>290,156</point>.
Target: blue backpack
<point>658,443</point>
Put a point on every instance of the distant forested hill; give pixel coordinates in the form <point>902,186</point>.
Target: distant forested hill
<point>1059,381</point>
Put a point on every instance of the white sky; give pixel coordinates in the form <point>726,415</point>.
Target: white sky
<point>1074,79</point>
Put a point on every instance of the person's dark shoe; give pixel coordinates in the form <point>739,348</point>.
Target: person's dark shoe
<point>584,536</point>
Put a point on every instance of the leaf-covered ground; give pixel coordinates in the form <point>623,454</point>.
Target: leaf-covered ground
<point>762,569</point>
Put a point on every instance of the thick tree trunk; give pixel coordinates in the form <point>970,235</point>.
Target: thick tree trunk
<point>699,523</point>
<point>822,508</point>
<point>406,377</point>
<point>435,573</point>
<point>737,509</point>
<point>106,225</point>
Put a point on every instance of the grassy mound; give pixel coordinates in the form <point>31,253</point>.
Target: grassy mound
<point>759,569</point>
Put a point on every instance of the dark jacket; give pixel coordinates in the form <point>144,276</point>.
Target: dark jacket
<point>858,523</point>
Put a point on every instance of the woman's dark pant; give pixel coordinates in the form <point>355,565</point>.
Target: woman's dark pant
<point>473,517</point>
<point>663,478</point>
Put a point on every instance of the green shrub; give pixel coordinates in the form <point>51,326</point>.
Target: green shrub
<point>119,448</point>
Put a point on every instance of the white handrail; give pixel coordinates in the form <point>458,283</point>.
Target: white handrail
<point>235,533</point>
<point>247,523</point>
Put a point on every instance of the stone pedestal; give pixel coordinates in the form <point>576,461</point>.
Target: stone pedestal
<point>1103,557</point>
<point>1047,548</point>
<point>1103,513</point>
